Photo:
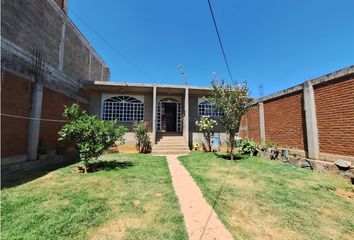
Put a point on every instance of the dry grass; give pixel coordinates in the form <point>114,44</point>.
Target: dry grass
<point>134,202</point>
<point>264,199</point>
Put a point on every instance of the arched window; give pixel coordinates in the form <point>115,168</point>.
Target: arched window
<point>123,109</point>
<point>205,108</point>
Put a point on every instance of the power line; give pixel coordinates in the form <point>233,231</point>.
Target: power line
<point>220,42</point>
<point>111,46</point>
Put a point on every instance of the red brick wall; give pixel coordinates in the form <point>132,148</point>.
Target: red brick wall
<point>15,100</point>
<point>285,122</point>
<point>335,116</point>
<point>53,108</point>
<point>253,124</point>
<point>243,125</point>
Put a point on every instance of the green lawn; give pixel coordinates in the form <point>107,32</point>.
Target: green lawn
<point>263,199</point>
<point>132,198</point>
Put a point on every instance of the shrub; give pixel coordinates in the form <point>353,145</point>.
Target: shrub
<point>90,135</point>
<point>206,126</point>
<point>249,147</point>
<point>143,144</point>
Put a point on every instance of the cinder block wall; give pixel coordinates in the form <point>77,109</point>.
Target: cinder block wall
<point>69,60</point>
<point>285,121</point>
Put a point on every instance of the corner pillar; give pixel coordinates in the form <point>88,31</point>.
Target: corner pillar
<point>154,115</point>
<point>261,122</point>
<point>310,120</point>
<point>186,116</point>
<point>35,122</point>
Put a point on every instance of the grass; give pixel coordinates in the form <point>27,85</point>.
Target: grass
<point>131,198</point>
<point>263,199</point>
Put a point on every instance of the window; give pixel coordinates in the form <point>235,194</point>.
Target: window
<point>123,109</point>
<point>205,108</point>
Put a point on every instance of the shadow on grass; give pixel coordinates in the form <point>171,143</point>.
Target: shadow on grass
<point>227,156</point>
<point>24,176</point>
<point>108,165</point>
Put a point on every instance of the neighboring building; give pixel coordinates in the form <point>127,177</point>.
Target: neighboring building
<point>30,91</point>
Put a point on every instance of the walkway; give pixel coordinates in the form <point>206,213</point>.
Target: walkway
<point>194,207</point>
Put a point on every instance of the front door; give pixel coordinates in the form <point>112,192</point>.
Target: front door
<point>170,117</point>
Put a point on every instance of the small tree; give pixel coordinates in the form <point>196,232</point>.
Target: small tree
<point>90,135</point>
<point>232,101</point>
<point>206,126</point>
<point>143,144</point>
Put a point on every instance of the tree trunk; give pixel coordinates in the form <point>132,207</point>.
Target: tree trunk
<point>232,145</point>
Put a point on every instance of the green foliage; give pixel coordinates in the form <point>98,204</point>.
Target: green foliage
<point>206,126</point>
<point>90,135</point>
<point>232,101</point>
<point>249,147</point>
<point>143,144</point>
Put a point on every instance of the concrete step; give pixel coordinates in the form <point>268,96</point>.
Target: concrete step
<point>170,145</point>
<point>170,139</point>
<point>168,152</point>
<point>182,148</point>
<point>171,142</point>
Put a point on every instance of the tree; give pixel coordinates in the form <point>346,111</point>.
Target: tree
<point>206,126</point>
<point>143,144</point>
<point>90,135</point>
<point>232,101</point>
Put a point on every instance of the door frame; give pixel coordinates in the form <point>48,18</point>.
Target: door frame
<point>160,109</point>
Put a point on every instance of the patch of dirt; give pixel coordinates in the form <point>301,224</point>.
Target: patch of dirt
<point>114,229</point>
<point>158,194</point>
<point>137,202</point>
<point>345,194</point>
<point>250,223</point>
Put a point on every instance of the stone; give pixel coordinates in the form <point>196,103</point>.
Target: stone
<point>342,164</point>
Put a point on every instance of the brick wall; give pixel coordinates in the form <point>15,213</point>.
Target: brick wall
<point>253,124</point>
<point>284,121</point>
<point>335,116</point>
<point>15,100</point>
<point>52,108</point>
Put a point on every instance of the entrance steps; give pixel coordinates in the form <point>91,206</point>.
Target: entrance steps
<point>170,143</point>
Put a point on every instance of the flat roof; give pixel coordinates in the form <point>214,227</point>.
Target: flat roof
<point>145,85</point>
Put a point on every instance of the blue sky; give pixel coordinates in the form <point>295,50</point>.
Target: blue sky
<point>277,43</point>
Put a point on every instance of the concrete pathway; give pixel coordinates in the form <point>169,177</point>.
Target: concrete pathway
<point>194,207</point>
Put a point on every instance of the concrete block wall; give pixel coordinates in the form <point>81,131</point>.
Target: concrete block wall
<point>69,60</point>
<point>315,119</point>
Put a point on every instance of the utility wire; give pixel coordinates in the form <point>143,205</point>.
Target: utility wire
<point>111,46</point>
<point>31,118</point>
<point>219,38</point>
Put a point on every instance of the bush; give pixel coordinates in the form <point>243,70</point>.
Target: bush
<point>249,147</point>
<point>143,144</point>
<point>90,135</point>
<point>206,126</point>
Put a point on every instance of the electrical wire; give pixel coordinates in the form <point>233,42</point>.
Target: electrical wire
<point>219,38</point>
<point>111,46</point>
<point>38,119</point>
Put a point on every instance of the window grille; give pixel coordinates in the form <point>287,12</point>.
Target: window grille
<point>205,108</point>
<point>123,109</point>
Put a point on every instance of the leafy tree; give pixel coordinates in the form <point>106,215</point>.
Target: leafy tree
<point>232,101</point>
<point>90,135</point>
<point>143,144</point>
<point>206,126</point>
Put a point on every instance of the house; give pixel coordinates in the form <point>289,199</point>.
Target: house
<point>167,110</point>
